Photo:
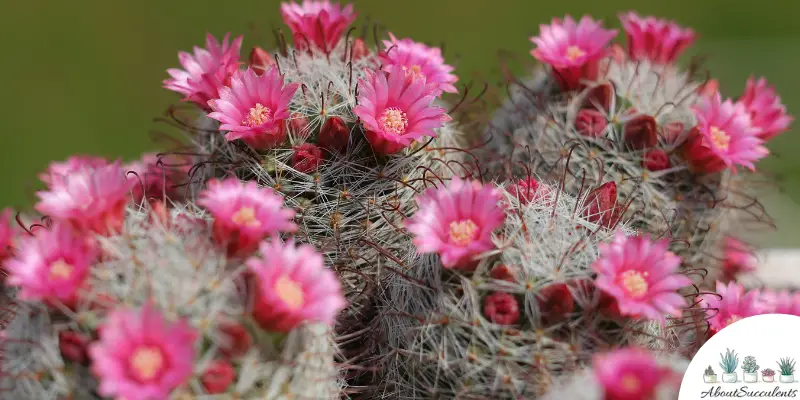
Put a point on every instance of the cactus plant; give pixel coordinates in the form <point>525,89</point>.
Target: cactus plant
<point>786,366</point>
<point>729,361</point>
<point>749,365</point>
<point>470,329</point>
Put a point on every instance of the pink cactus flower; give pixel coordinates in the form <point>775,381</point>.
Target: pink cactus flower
<point>655,40</point>
<point>53,265</point>
<point>254,108</point>
<point>307,158</point>
<point>205,71</point>
<point>738,259</point>
<point>318,24</point>
<point>418,61</point>
<point>642,275</point>
<point>8,237</point>
<point>396,111</point>
<point>573,50</point>
<point>767,112</point>
<point>293,286</point>
<point>529,190</point>
<point>57,171</point>
<point>501,308</point>
<point>723,137</point>
<point>735,304</point>
<point>90,199</point>
<point>156,181</point>
<point>456,221</point>
<point>245,214</point>
<point>782,302</point>
<point>142,355</point>
<point>628,374</point>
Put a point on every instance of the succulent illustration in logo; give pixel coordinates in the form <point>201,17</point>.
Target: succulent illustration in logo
<point>750,368</point>
<point>786,366</point>
<point>728,362</point>
<point>709,376</point>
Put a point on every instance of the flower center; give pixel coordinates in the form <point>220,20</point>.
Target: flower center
<point>462,233</point>
<point>634,283</point>
<point>394,120</point>
<point>630,383</point>
<point>720,139</point>
<point>290,292</point>
<point>246,216</point>
<point>60,270</point>
<point>257,116</point>
<point>733,318</point>
<point>147,362</point>
<point>413,72</point>
<point>574,53</point>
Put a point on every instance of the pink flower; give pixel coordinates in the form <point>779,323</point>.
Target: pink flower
<point>396,111</point>
<point>529,190</point>
<point>418,61</point>
<point>572,49</point>
<point>8,237</point>
<point>205,71</point>
<point>307,158</point>
<point>642,276</point>
<point>53,265</point>
<point>293,286</point>
<point>655,40</point>
<point>90,198</point>
<point>245,214</point>
<point>456,221</point>
<point>254,108</point>
<point>767,112</point>
<point>628,374</point>
<point>142,355</point>
<point>156,181</point>
<point>501,308</point>
<point>738,258</point>
<point>723,137</point>
<point>734,305</point>
<point>57,171</point>
<point>317,23</point>
<point>782,302</point>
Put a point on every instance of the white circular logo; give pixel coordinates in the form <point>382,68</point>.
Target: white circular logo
<point>755,358</point>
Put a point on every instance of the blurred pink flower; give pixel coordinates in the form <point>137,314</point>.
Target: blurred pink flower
<point>628,374</point>
<point>293,286</point>
<point>254,108</point>
<point>456,221</point>
<point>735,304</point>
<point>307,158</point>
<point>723,137</point>
<point>205,71</point>
<point>738,258</point>
<point>572,49</point>
<point>781,302</point>
<point>418,61</point>
<point>57,171</point>
<point>8,237</point>
<point>767,112</point>
<point>396,111</point>
<point>318,24</point>
<point>245,214</point>
<point>642,275</point>
<point>155,181</point>
<point>655,40</point>
<point>90,198</point>
<point>142,355</point>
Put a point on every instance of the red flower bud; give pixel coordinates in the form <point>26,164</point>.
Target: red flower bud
<point>555,302</point>
<point>656,160</point>
<point>709,88</point>
<point>260,60</point>
<point>360,49</point>
<point>599,97</point>
<point>672,131</point>
<point>307,158</point>
<point>501,308</point>
<point>218,377</point>
<point>503,272</point>
<point>73,346</point>
<point>236,340</point>
<point>590,123</point>
<point>334,134</point>
<point>298,126</point>
<point>601,205</point>
<point>640,132</point>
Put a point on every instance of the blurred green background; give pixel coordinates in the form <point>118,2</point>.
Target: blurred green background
<point>85,76</point>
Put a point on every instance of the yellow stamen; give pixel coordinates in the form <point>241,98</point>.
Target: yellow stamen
<point>394,120</point>
<point>634,283</point>
<point>147,362</point>
<point>257,116</point>
<point>246,216</point>
<point>290,292</point>
<point>463,232</point>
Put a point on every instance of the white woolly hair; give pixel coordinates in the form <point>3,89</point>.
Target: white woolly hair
<point>441,345</point>
<point>183,274</point>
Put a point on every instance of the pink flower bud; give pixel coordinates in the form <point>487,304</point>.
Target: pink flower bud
<point>599,97</point>
<point>709,89</point>
<point>590,122</point>
<point>218,377</point>
<point>555,302</point>
<point>670,132</point>
<point>640,132</point>
<point>656,160</point>
<point>260,60</point>
<point>73,346</point>
<point>236,340</point>
<point>618,54</point>
<point>334,134</point>
<point>307,158</point>
<point>501,308</point>
<point>503,272</point>
<point>360,49</point>
<point>298,126</point>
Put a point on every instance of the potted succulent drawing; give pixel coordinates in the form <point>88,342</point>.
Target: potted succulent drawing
<point>768,375</point>
<point>729,362</point>
<point>750,368</point>
<point>786,366</point>
<point>709,376</point>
